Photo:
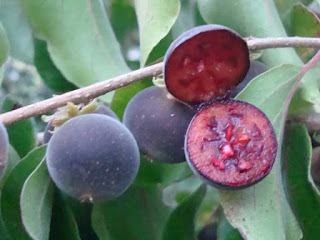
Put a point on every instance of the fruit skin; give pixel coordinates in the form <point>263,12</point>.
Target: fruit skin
<point>93,158</point>
<point>209,232</point>
<point>225,83</point>
<point>159,124</point>
<point>315,165</point>
<point>101,110</point>
<point>256,68</point>
<point>4,149</point>
<point>222,185</point>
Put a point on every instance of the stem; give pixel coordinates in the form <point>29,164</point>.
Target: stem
<point>87,93</point>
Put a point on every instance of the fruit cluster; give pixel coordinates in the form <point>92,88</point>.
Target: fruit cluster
<point>231,144</point>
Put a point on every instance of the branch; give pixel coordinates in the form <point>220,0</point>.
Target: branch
<point>87,93</point>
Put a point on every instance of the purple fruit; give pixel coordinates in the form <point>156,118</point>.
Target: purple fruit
<point>159,124</point>
<point>93,158</point>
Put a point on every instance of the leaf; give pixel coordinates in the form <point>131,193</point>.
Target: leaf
<point>63,223</point>
<point>186,18</point>
<point>155,20</point>
<point>22,135</point>
<point>161,173</point>
<point>36,203</point>
<point>181,223</point>
<point>261,211</point>
<point>10,197</point>
<point>3,231</point>
<point>18,30</point>
<point>303,194</point>
<point>304,23</point>
<point>51,76</point>
<point>123,95</point>
<point>80,39</point>
<point>13,159</point>
<point>138,214</point>
<point>4,45</point>
<point>227,232</point>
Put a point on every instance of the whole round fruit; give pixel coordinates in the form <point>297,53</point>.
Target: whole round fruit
<point>315,165</point>
<point>159,124</point>
<point>48,131</point>
<point>4,149</point>
<point>205,63</point>
<point>231,144</point>
<point>93,158</point>
<point>256,68</point>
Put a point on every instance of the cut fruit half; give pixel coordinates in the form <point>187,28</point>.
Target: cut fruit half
<point>205,63</point>
<point>231,144</point>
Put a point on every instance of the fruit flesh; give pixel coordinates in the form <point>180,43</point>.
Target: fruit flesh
<point>205,63</point>
<point>93,158</point>
<point>159,124</point>
<point>231,143</point>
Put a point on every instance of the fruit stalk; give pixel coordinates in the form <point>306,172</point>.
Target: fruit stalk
<point>90,92</point>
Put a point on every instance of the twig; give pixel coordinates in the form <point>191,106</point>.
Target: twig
<point>85,94</point>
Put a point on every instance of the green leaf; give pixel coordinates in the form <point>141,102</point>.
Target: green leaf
<point>22,135</point>
<point>138,214</point>
<point>63,224</point>
<point>262,211</point>
<point>3,231</point>
<point>304,23</point>
<point>155,20</point>
<point>36,203</point>
<point>10,197</point>
<point>4,45</point>
<point>12,162</point>
<point>227,232</point>
<point>18,30</point>
<point>181,223</point>
<point>161,173</point>
<point>123,95</point>
<point>186,18</point>
<point>80,39</point>
<point>303,194</point>
<point>51,76</point>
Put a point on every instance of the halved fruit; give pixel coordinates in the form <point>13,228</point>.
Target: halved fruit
<point>231,144</point>
<point>205,63</point>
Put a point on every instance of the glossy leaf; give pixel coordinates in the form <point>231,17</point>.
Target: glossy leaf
<point>4,45</point>
<point>3,230</point>
<point>303,195</point>
<point>304,23</point>
<point>10,196</point>
<point>51,76</point>
<point>21,134</point>
<point>181,223</point>
<point>18,30</point>
<point>36,203</point>
<point>138,214</point>
<point>80,39</point>
<point>155,20</point>
<point>161,173</point>
<point>63,223</point>
<point>262,211</point>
